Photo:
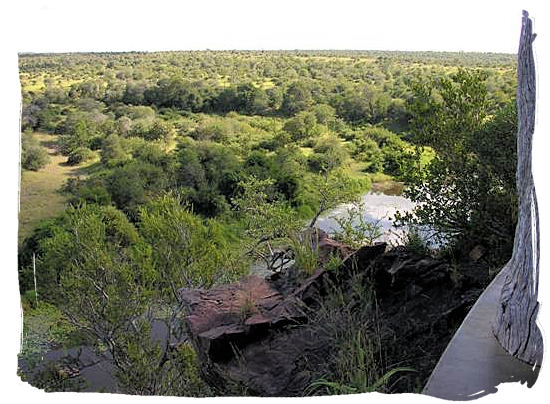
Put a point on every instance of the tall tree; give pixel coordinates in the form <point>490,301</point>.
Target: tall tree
<point>466,193</point>
<point>112,284</point>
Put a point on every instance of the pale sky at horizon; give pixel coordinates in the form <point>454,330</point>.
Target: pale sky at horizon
<point>72,26</point>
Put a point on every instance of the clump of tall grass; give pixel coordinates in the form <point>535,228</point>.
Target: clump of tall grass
<point>306,251</point>
<point>348,320</point>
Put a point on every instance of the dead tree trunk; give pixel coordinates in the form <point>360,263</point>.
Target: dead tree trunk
<point>515,326</point>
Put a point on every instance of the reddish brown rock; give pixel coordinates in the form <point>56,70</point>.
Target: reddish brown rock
<point>328,247</point>
<point>231,316</point>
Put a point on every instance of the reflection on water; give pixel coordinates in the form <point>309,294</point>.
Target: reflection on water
<point>387,188</point>
<point>377,207</point>
<point>96,370</point>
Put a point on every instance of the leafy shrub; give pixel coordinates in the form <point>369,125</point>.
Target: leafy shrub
<point>44,327</point>
<point>303,126</point>
<point>220,129</point>
<point>467,191</point>
<point>414,241</point>
<point>33,156</point>
<point>367,150</point>
<point>328,154</point>
<point>354,230</point>
<point>89,191</point>
<point>112,151</point>
<point>29,300</point>
<point>53,376</point>
<point>79,155</point>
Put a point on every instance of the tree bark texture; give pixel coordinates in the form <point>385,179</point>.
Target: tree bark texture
<point>515,325</point>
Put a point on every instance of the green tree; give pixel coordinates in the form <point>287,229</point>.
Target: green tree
<point>328,154</point>
<point>79,129</point>
<point>367,150</point>
<point>467,192</point>
<point>269,222</point>
<point>187,251</point>
<point>134,183</point>
<point>302,126</point>
<point>208,173</point>
<point>297,97</point>
<point>79,155</point>
<point>325,114</point>
<point>361,105</point>
<point>112,152</point>
<point>332,189</point>
<point>107,288</point>
<point>160,130</point>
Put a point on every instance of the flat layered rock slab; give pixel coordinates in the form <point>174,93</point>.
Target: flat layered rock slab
<point>231,316</point>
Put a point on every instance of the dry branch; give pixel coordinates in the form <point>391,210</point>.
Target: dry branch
<point>515,324</point>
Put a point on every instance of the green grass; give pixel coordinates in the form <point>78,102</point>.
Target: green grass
<point>39,194</point>
<point>357,168</point>
<point>385,184</point>
<point>267,84</point>
<point>307,257</point>
<point>380,177</point>
<point>37,83</point>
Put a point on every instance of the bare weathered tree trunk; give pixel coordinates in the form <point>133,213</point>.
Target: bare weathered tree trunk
<point>515,326</point>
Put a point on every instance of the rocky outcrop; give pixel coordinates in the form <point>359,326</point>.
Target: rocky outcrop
<point>232,316</point>
<point>256,332</point>
<point>328,247</point>
<point>421,302</point>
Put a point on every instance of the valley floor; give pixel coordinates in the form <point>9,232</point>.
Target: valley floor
<point>40,195</point>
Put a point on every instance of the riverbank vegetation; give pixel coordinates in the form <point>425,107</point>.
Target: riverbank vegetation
<point>181,169</point>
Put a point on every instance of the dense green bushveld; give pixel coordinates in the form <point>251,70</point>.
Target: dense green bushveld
<point>200,159</point>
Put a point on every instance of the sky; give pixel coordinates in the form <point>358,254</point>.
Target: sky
<point>69,26</point>
<point>119,25</point>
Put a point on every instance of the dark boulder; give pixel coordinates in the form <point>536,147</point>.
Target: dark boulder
<point>421,301</point>
<point>399,268</point>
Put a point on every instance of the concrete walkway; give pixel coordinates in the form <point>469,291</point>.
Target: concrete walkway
<point>474,363</point>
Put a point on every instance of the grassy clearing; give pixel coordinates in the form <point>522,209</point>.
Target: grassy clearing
<point>267,84</point>
<point>385,184</point>
<point>39,194</point>
<point>223,81</point>
<point>380,182</point>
